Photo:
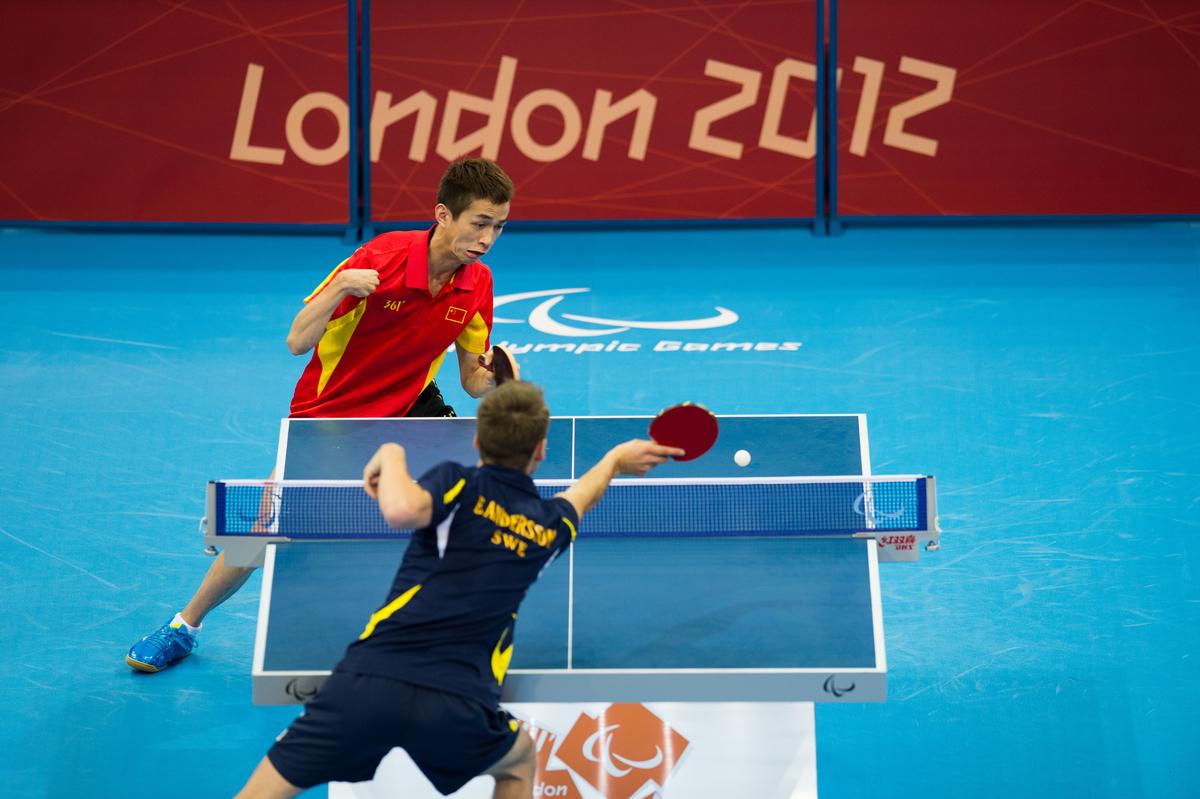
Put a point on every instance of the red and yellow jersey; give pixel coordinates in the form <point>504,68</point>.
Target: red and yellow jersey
<point>378,353</point>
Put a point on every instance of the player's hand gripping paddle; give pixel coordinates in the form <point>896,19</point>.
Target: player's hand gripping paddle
<point>691,427</point>
<point>502,366</point>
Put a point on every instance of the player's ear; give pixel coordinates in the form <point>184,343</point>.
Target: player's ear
<point>442,215</point>
<point>539,454</point>
<point>475,441</point>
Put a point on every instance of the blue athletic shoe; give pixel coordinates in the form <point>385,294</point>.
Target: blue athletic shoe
<point>167,645</point>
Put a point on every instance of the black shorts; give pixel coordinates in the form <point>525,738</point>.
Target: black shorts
<point>356,719</point>
<point>431,403</point>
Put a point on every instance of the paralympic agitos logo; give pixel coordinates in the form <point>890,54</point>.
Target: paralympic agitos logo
<point>301,689</point>
<point>540,318</point>
<point>623,752</point>
<point>547,317</point>
<point>832,687</point>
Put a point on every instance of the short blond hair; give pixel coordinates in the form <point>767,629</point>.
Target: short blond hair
<point>510,423</point>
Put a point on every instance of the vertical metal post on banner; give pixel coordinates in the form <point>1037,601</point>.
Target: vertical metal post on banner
<point>364,119</point>
<point>353,217</point>
<point>834,224</point>
<point>819,227</point>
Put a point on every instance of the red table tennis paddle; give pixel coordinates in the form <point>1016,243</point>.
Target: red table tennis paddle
<point>502,366</point>
<point>690,427</point>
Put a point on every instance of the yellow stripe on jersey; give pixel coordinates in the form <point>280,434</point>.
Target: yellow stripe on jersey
<point>502,656</point>
<point>332,345</point>
<point>449,496</point>
<point>324,282</point>
<point>567,522</point>
<point>474,336</point>
<point>387,610</point>
<point>433,370</point>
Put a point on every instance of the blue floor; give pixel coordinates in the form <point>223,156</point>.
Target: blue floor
<point>1048,376</point>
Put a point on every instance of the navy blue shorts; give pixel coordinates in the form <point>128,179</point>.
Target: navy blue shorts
<point>356,719</point>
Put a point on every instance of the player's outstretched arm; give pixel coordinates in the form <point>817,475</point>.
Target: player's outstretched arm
<point>309,324</point>
<point>404,504</point>
<point>634,457</point>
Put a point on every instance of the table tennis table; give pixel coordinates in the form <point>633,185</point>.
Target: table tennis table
<point>619,619</point>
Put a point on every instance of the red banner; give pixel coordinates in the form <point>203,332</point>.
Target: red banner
<point>150,111</point>
<point>175,112</point>
<point>1026,107</point>
<point>599,109</point>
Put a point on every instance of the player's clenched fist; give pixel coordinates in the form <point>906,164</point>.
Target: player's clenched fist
<point>357,282</point>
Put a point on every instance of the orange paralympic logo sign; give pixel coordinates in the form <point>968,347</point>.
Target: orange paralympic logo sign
<point>626,751</point>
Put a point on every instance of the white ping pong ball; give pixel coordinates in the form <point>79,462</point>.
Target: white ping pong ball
<point>741,457</point>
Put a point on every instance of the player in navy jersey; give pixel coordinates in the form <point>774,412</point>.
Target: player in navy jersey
<point>425,675</point>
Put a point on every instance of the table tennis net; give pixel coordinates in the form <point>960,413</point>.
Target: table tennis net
<point>630,508</point>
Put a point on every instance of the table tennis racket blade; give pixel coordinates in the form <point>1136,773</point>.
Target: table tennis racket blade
<point>690,427</point>
<point>503,366</point>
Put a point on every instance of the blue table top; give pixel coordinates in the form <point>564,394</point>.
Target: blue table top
<point>650,604</point>
<point>780,446</point>
<point>638,604</point>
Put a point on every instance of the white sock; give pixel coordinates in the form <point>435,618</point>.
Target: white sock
<point>178,621</point>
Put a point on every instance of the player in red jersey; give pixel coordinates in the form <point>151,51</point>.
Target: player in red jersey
<point>378,327</point>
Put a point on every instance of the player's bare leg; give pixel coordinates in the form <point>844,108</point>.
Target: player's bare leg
<point>220,583</point>
<point>515,771</point>
<point>267,783</point>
